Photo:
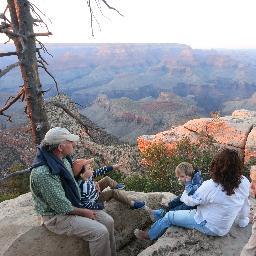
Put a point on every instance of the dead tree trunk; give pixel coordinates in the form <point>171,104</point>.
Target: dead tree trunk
<point>24,40</point>
<point>20,30</point>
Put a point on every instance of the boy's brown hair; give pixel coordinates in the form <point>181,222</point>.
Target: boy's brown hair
<point>185,168</point>
<point>79,164</point>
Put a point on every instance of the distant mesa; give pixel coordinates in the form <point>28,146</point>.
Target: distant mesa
<point>127,119</point>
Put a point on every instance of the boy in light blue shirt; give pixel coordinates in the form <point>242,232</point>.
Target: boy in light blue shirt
<point>191,178</point>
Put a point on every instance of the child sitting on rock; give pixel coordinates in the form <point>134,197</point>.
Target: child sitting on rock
<point>192,180</point>
<point>92,194</point>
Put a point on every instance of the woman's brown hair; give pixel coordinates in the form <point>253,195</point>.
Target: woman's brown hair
<point>226,170</point>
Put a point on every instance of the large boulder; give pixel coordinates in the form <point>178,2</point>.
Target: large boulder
<point>236,131</point>
<point>183,242</point>
<point>22,234</point>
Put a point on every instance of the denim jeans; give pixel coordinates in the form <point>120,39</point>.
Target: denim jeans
<point>176,205</point>
<point>182,218</point>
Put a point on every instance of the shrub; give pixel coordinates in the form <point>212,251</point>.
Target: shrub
<point>160,163</point>
<point>7,196</point>
<point>15,186</point>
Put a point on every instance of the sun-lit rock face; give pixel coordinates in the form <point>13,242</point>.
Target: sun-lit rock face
<point>236,131</point>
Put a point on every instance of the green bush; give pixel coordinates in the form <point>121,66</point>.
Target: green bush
<point>7,196</point>
<point>161,163</point>
<point>115,175</point>
<point>15,186</point>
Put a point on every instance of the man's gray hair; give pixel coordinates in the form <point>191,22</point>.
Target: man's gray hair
<point>49,148</point>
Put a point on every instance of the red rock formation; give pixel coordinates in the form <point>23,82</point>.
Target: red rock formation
<point>234,131</point>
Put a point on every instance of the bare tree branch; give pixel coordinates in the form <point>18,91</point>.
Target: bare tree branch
<point>93,17</point>
<point>9,118</point>
<point>9,33</point>
<point>10,103</point>
<point>46,70</point>
<point>110,7</point>
<point>8,68</point>
<point>33,6</point>
<point>3,54</point>
<point>5,24</point>
<point>42,47</point>
<point>85,126</point>
<point>6,30</point>
<point>39,19</point>
<point>90,8</point>
<point>3,17</point>
<point>40,34</point>
<point>6,8</point>
<point>40,56</point>
<point>99,7</point>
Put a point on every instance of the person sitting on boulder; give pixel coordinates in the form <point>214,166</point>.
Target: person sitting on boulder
<point>220,201</point>
<point>92,194</point>
<point>250,248</point>
<point>188,176</point>
<point>57,198</point>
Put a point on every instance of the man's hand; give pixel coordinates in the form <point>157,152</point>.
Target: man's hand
<point>89,214</point>
<point>84,213</point>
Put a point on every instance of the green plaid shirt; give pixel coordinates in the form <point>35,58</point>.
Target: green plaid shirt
<point>47,191</point>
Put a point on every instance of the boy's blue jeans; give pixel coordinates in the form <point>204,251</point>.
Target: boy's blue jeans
<point>176,205</point>
<point>182,218</point>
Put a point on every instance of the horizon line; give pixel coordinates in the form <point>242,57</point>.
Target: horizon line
<point>140,43</point>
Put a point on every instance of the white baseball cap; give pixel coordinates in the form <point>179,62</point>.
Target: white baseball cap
<point>59,135</point>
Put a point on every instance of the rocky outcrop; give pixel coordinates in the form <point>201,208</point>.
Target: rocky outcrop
<point>178,241</point>
<point>106,148</point>
<point>18,149</point>
<point>21,233</point>
<point>236,131</point>
<point>16,146</point>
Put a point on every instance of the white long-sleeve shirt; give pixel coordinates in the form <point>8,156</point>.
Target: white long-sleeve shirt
<point>217,208</point>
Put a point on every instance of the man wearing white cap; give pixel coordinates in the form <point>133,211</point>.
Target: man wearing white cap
<point>57,198</point>
<point>250,248</point>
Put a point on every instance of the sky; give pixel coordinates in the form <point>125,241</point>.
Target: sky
<point>201,24</point>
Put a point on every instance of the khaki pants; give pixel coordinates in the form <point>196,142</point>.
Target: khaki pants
<point>99,233</point>
<point>250,248</point>
<point>116,194</point>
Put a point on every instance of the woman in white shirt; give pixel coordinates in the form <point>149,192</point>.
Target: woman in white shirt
<point>220,201</point>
